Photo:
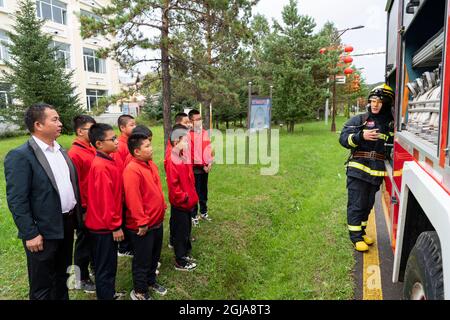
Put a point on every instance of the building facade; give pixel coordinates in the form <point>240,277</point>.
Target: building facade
<point>93,77</point>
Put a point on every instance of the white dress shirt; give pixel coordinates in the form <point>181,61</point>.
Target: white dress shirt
<point>61,173</point>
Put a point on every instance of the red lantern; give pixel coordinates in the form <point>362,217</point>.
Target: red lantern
<point>348,49</point>
<point>348,71</point>
<point>348,59</point>
<point>323,50</point>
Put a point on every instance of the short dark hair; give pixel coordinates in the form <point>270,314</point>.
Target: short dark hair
<point>178,131</point>
<point>179,116</point>
<point>192,113</point>
<point>97,132</point>
<point>124,119</point>
<point>135,141</point>
<point>142,130</point>
<point>36,112</point>
<point>81,120</point>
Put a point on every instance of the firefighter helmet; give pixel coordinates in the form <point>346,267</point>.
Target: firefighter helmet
<point>384,92</point>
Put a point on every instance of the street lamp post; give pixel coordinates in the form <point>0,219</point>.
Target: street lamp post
<point>247,138</point>
<point>333,114</point>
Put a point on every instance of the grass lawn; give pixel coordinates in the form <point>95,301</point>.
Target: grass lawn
<point>272,237</point>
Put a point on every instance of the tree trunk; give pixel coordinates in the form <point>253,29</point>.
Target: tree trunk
<point>206,118</point>
<point>227,124</point>
<point>165,68</point>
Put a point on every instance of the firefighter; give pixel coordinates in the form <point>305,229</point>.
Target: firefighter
<point>366,135</point>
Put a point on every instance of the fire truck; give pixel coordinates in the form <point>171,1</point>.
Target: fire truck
<point>416,189</point>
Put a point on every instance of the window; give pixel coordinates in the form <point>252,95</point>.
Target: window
<point>92,97</point>
<point>2,4</point>
<point>62,52</point>
<point>92,63</point>
<point>90,15</point>
<point>53,10</point>
<point>4,53</point>
<point>5,96</point>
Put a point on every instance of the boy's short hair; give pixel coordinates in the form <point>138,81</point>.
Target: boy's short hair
<point>192,113</point>
<point>97,132</point>
<point>143,130</point>
<point>81,120</point>
<point>124,119</point>
<point>179,116</point>
<point>178,131</point>
<point>36,112</point>
<point>135,141</point>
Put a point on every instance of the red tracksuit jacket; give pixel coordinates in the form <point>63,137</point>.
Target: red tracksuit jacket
<point>82,155</point>
<point>143,194</point>
<point>200,148</point>
<point>105,187</point>
<point>180,182</point>
<point>123,148</point>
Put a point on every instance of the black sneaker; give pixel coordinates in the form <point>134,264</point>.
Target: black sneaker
<point>205,216</point>
<point>139,296</point>
<point>195,222</point>
<point>188,266</point>
<point>159,289</point>
<point>128,254</point>
<point>119,295</point>
<point>189,259</point>
<point>87,286</point>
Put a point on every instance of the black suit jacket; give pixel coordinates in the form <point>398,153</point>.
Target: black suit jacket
<point>32,192</point>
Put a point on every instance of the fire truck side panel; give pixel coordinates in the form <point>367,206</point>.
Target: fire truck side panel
<point>434,201</point>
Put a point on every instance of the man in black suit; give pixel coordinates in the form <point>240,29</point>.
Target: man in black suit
<point>43,197</point>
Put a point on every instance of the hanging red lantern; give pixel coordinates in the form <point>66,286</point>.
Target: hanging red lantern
<point>323,50</point>
<point>348,71</point>
<point>348,49</point>
<point>348,59</point>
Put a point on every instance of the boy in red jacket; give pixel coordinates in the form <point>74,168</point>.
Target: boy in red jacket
<point>145,215</point>
<point>202,159</point>
<point>182,196</point>
<point>126,124</point>
<point>104,209</point>
<point>82,155</point>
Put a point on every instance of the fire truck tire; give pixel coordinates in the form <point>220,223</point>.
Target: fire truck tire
<point>424,275</point>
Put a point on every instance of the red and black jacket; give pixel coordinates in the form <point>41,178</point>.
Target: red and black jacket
<point>143,194</point>
<point>180,182</point>
<point>82,154</point>
<point>105,187</point>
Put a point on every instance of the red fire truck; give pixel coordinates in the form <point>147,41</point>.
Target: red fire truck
<point>416,192</point>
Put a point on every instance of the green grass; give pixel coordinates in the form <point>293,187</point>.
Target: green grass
<point>272,237</point>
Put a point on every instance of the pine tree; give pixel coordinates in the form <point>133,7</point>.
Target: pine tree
<point>34,72</point>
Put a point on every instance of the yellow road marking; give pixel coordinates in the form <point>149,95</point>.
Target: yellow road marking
<point>372,289</point>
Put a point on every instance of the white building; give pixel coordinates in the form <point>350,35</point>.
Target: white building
<point>93,77</point>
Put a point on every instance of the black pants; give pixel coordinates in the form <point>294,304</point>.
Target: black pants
<point>83,255</point>
<point>181,233</point>
<point>47,269</point>
<point>147,252</point>
<point>105,260</point>
<point>361,198</point>
<point>125,245</point>
<point>201,186</point>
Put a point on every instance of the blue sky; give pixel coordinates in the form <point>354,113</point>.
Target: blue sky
<point>345,14</point>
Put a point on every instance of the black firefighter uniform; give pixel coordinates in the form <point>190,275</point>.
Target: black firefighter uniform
<point>365,167</point>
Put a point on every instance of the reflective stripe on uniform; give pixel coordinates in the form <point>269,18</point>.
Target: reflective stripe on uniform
<point>364,223</point>
<point>391,134</point>
<point>375,173</point>
<point>354,228</point>
<point>350,141</point>
<point>383,137</point>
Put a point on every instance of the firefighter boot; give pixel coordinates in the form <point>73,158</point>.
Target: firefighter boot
<point>368,240</point>
<point>361,246</point>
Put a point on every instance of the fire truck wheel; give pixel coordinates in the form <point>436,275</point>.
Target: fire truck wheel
<point>424,275</point>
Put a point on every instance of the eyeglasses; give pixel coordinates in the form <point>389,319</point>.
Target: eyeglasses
<point>112,139</point>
